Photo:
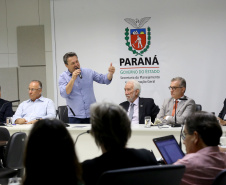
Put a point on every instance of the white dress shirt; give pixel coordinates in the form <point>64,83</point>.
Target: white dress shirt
<point>40,108</point>
<point>135,118</point>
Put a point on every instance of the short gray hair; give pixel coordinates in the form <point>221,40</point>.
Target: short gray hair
<point>110,125</point>
<point>181,80</point>
<point>136,85</point>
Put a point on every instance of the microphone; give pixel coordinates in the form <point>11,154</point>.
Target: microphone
<point>175,124</point>
<point>88,131</point>
<point>80,75</point>
<point>7,103</point>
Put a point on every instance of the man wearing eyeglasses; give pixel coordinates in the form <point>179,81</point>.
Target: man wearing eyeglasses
<point>36,108</point>
<point>183,105</point>
<point>203,159</point>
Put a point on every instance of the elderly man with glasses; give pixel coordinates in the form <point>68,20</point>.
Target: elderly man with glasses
<point>183,105</point>
<point>36,108</point>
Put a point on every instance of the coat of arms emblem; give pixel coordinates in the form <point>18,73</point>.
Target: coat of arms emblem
<point>140,38</point>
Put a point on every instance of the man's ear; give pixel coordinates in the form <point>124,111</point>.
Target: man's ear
<point>137,92</point>
<point>196,137</point>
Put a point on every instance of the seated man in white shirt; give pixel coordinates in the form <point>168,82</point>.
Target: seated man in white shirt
<point>37,107</point>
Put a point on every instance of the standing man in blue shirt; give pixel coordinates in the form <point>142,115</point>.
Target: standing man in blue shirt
<point>76,86</point>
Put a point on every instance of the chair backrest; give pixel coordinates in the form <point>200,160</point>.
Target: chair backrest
<point>198,107</point>
<point>63,113</point>
<point>220,179</point>
<point>147,175</point>
<point>4,134</point>
<point>15,151</point>
<point>5,174</point>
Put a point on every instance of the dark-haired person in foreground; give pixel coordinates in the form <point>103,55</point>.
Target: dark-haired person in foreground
<point>5,109</point>
<point>50,156</point>
<point>203,160</point>
<point>111,129</point>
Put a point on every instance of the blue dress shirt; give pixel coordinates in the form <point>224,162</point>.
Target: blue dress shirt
<point>40,108</point>
<point>82,94</point>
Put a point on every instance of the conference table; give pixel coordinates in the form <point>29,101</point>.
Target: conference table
<point>86,148</point>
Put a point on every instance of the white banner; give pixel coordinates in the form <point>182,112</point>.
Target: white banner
<point>150,41</point>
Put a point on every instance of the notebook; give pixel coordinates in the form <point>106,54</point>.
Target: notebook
<point>169,149</point>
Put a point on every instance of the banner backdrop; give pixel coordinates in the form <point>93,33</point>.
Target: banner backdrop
<point>151,41</point>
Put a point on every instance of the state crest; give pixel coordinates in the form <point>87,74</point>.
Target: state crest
<point>140,38</point>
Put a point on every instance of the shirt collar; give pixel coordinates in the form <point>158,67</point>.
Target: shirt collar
<point>70,74</point>
<point>209,149</point>
<point>136,102</point>
<point>39,99</point>
<point>179,99</point>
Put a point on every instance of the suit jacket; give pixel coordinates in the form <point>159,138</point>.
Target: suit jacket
<point>147,107</point>
<point>223,111</point>
<point>5,110</point>
<point>184,109</point>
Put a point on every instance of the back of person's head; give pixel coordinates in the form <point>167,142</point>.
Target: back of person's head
<point>207,126</point>
<point>50,156</point>
<point>110,126</point>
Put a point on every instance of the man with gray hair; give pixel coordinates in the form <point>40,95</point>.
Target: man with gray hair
<point>137,108</point>
<point>183,105</point>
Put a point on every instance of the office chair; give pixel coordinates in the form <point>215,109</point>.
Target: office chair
<point>4,136</point>
<point>13,157</point>
<point>198,107</point>
<point>220,178</point>
<point>63,114</point>
<point>147,175</point>
<point>5,174</point>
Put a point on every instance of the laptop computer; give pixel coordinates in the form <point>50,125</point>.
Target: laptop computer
<point>169,149</point>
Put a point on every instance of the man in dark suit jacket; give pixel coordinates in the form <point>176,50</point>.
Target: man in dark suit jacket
<point>5,109</point>
<point>221,116</point>
<point>142,106</point>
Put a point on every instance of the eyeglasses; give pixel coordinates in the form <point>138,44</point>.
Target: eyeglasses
<point>183,135</point>
<point>33,89</point>
<point>173,88</point>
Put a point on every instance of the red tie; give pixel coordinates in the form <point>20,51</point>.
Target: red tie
<point>174,107</point>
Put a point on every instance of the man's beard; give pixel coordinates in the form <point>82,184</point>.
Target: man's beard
<point>131,98</point>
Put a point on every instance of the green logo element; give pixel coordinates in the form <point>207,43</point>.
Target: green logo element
<point>130,48</point>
